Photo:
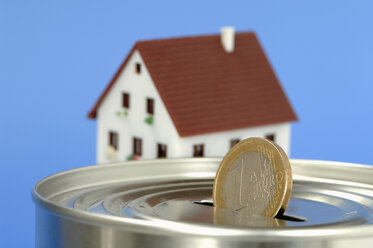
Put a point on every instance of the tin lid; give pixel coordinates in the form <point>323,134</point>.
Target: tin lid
<point>174,196</point>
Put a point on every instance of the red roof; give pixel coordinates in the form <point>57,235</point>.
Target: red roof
<point>206,89</point>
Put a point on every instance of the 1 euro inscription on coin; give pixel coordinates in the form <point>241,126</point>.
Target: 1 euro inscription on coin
<point>254,177</point>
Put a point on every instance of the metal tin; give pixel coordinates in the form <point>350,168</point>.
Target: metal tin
<point>162,203</point>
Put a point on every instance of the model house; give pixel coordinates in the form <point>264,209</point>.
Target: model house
<point>191,97</point>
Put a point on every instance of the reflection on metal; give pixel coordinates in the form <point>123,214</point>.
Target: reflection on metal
<point>227,217</point>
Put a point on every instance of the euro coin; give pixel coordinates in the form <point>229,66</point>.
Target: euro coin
<point>254,177</point>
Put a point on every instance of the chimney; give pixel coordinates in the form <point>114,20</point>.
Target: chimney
<point>227,38</point>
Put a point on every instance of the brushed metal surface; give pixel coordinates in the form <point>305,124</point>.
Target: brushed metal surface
<point>152,204</point>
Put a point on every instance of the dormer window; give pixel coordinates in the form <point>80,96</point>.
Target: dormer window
<point>126,100</point>
<point>138,68</point>
<point>150,106</point>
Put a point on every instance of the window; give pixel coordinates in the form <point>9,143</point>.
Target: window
<point>150,106</point>
<point>162,150</point>
<point>126,100</point>
<point>138,68</point>
<point>137,146</point>
<point>113,140</point>
<point>271,137</point>
<point>234,141</point>
<point>198,150</point>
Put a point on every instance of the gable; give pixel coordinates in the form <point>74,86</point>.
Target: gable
<point>93,112</point>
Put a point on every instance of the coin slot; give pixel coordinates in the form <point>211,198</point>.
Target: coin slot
<point>205,203</point>
<point>281,214</point>
<point>291,218</point>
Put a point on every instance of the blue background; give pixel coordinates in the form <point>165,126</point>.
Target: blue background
<point>56,57</point>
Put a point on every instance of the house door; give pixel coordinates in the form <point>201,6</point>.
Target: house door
<point>162,151</point>
<point>271,137</point>
<point>113,140</point>
<point>137,146</point>
<point>198,151</point>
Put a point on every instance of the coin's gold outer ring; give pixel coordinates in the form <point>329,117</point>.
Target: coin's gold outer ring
<point>281,166</point>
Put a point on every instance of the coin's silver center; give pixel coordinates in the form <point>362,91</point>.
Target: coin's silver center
<point>250,183</point>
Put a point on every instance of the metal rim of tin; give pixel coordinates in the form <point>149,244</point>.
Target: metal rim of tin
<point>357,177</point>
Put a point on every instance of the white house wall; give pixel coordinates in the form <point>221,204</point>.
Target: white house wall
<point>218,144</point>
<point>139,87</point>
